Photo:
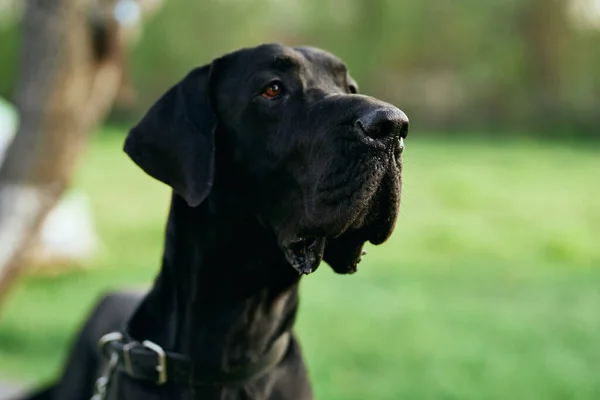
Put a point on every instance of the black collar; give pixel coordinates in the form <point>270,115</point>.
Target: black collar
<point>148,361</point>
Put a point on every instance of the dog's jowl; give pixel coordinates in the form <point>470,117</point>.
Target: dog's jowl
<point>277,164</point>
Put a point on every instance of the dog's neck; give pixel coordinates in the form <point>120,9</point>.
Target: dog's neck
<point>224,293</point>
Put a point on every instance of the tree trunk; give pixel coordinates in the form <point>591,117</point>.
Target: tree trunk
<point>545,31</point>
<point>70,73</point>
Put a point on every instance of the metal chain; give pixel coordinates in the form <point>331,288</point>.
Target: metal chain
<point>102,384</point>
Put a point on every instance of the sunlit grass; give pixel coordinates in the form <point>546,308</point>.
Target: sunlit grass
<point>489,287</point>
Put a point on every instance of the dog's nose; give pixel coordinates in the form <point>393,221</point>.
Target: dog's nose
<point>384,122</point>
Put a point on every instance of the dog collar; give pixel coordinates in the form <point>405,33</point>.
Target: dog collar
<point>149,362</point>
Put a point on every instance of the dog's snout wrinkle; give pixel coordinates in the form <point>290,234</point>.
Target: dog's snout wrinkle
<point>384,122</point>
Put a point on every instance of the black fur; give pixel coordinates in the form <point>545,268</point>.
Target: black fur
<point>263,190</point>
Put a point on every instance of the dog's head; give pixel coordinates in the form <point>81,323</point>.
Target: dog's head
<point>317,163</point>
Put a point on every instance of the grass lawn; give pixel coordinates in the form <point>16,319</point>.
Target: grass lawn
<point>489,288</point>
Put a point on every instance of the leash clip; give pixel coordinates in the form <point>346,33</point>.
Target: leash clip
<point>102,383</point>
<point>108,338</point>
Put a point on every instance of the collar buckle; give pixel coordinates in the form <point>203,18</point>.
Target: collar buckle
<point>161,366</point>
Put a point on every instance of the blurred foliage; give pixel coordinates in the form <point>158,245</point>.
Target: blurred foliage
<point>498,65</point>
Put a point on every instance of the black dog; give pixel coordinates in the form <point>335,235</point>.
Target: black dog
<point>276,163</point>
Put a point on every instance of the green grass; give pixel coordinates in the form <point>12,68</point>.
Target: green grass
<point>488,289</point>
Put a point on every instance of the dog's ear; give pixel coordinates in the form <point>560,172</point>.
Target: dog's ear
<point>175,141</point>
<point>344,253</point>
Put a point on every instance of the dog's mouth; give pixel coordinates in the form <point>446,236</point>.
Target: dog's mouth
<point>335,229</point>
<point>304,253</point>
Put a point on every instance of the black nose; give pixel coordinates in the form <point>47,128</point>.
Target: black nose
<point>384,122</point>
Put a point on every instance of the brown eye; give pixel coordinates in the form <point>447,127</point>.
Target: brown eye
<point>273,90</point>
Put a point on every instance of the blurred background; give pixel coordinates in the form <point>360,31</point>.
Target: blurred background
<point>490,285</point>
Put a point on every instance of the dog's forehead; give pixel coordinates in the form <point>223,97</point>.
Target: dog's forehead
<point>279,57</point>
<point>322,59</point>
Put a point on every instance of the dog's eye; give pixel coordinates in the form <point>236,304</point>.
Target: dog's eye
<point>273,90</point>
<point>352,89</point>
